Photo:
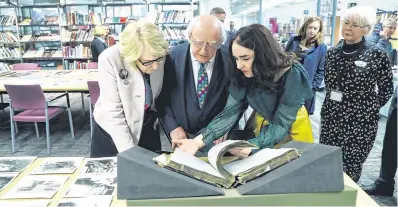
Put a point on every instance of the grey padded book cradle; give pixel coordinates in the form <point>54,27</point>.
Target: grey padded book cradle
<point>319,169</point>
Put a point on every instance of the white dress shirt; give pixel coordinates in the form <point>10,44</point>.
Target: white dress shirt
<point>196,67</point>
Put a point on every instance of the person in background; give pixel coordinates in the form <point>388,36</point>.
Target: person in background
<point>232,26</point>
<point>130,80</point>
<point>195,87</point>
<point>383,38</point>
<point>110,39</point>
<point>221,15</point>
<point>266,78</point>
<point>384,185</point>
<point>353,71</point>
<point>311,51</point>
<point>98,45</point>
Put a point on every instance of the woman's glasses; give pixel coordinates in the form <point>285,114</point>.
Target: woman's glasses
<point>353,25</point>
<point>150,62</point>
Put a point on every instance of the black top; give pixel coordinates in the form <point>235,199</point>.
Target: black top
<point>352,48</point>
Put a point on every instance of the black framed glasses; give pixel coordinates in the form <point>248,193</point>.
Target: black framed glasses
<point>150,62</point>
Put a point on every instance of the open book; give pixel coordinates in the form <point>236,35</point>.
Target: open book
<point>227,175</point>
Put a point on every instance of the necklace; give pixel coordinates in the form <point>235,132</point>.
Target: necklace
<point>350,53</point>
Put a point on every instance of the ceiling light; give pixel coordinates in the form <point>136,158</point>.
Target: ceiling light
<point>248,2</point>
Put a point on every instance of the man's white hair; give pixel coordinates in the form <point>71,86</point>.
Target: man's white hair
<point>220,25</point>
<point>364,16</point>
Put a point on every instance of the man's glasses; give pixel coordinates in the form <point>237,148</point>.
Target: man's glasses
<point>212,45</point>
<point>353,25</point>
<point>148,63</point>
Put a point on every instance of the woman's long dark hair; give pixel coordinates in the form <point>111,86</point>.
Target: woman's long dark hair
<point>269,56</point>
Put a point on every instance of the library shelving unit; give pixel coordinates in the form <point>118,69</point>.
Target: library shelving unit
<point>173,18</point>
<point>9,38</point>
<point>326,12</point>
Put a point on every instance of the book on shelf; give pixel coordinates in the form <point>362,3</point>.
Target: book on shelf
<point>173,16</point>
<point>6,20</point>
<point>230,174</point>
<point>9,53</point>
<point>43,53</point>
<point>51,37</point>
<point>122,20</point>
<point>75,65</point>
<point>77,36</point>
<point>8,37</point>
<point>5,69</point>
<point>78,51</point>
<point>46,20</point>
<point>174,34</point>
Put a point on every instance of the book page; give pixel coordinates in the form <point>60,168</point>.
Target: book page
<point>191,161</point>
<point>216,150</point>
<point>262,156</point>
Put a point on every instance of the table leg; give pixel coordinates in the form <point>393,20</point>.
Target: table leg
<point>82,94</point>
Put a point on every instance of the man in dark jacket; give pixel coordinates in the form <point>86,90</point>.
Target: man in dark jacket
<point>196,79</point>
<point>384,185</point>
<point>98,45</point>
<point>221,15</point>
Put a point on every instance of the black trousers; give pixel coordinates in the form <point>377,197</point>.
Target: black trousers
<point>102,144</point>
<point>389,154</point>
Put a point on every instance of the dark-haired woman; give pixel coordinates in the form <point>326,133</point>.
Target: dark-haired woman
<point>311,51</point>
<point>268,80</point>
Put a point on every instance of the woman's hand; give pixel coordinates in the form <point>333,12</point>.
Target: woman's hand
<point>190,146</point>
<point>240,152</point>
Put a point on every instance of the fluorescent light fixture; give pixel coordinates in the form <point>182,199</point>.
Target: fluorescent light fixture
<point>248,2</point>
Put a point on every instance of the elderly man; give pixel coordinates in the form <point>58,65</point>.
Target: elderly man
<point>221,15</point>
<point>195,85</point>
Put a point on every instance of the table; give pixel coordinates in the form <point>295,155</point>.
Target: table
<point>52,80</point>
<point>362,198</point>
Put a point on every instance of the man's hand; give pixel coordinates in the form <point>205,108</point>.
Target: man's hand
<point>221,139</point>
<point>240,152</point>
<point>177,134</point>
<point>190,146</point>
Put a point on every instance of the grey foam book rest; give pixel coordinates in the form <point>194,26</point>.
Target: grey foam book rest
<point>319,169</point>
<point>138,177</point>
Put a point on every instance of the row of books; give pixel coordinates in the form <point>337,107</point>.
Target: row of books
<point>122,20</point>
<point>43,53</point>
<point>79,51</point>
<point>173,17</point>
<point>9,53</point>
<point>8,37</point>
<point>79,36</point>
<point>4,67</point>
<point>30,38</point>
<point>6,20</point>
<point>75,65</point>
<point>174,34</point>
<point>76,18</point>
<point>47,20</point>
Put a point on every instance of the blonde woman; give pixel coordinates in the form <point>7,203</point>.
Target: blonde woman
<point>131,78</point>
<point>311,51</point>
<point>354,69</point>
<point>98,45</point>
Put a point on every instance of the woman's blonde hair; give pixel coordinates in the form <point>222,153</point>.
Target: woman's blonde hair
<point>390,22</point>
<point>303,30</point>
<point>100,31</point>
<point>141,35</point>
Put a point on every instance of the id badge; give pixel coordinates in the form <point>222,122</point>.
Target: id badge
<point>336,96</point>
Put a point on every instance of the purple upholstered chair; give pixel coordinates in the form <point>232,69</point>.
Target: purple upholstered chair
<point>25,66</point>
<point>36,108</point>
<point>94,91</point>
<point>92,65</point>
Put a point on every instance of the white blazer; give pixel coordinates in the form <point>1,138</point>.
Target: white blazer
<point>120,107</point>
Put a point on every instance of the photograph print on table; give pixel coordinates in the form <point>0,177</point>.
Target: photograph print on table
<point>5,179</point>
<point>14,164</point>
<point>93,201</point>
<point>100,165</point>
<point>58,165</point>
<point>92,185</point>
<point>36,186</point>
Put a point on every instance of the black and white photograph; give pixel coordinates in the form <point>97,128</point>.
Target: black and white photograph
<point>93,201</point>
<point>58,165</point>
<point>36,186</point>
<point>14,164</point>
<point>92,185</point>
<point>5,179</point>
<point>100,165</point>
<point>30,203</point>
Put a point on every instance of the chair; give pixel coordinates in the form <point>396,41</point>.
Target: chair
<point>94,91</point>
<point>31,99</point>
<point>92,65</point>
<point>25,66</point>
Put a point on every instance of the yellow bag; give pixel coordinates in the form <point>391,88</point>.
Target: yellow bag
<point>301,129</point>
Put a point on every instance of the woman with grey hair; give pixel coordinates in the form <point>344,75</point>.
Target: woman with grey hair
<point>383,38</point>
<point>353,71</point>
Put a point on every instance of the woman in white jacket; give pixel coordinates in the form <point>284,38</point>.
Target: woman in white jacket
<point>130,79</point>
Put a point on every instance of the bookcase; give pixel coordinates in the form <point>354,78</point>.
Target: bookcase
<point>57,34</point>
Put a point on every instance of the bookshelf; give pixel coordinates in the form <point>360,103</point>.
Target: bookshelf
<point>59,33</point>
